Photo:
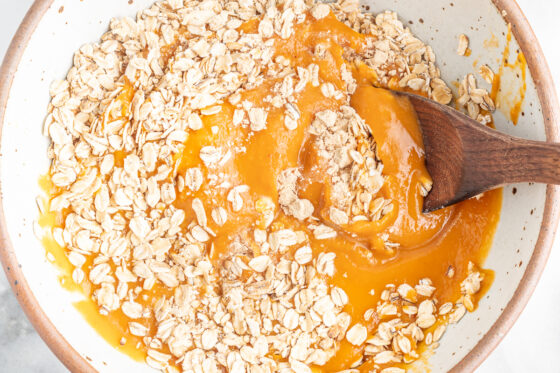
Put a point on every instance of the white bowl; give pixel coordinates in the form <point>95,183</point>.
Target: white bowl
<point>42,51</point>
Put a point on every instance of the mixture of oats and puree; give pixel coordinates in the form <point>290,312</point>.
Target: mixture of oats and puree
<point>234,189</point>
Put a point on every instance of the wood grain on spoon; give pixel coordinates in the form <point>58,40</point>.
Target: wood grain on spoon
<point>466,158</point>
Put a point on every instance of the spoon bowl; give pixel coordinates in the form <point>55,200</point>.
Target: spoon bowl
<point>466,158</point>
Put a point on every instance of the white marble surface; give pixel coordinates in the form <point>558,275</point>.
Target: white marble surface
<point>529,346</point>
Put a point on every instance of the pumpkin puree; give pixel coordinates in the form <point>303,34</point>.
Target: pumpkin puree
<point>429,243</point>
<point>510,98</point>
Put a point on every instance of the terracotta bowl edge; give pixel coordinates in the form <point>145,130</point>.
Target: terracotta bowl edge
<point>46,329</point>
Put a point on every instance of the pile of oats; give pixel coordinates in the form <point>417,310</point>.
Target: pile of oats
<point>411,315</point>
<point>118,125</point>
<point>345,143</point>
<point>473,100</point>
<point>476,101</point>
<point>346,150</point>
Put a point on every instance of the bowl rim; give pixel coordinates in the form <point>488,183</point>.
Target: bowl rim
<point>546,91</point>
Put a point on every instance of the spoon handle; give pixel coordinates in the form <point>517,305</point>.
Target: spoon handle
<point>504,159</point>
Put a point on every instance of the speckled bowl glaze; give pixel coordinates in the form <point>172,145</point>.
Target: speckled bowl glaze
<point>42,51</point>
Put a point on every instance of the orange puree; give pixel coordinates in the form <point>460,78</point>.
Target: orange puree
<point>510,98</point>
<point>429,243</point>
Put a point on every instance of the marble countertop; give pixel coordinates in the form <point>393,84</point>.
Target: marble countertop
<point>529,346</point>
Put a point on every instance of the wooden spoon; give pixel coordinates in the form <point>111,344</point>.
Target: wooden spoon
<point>466,158</point>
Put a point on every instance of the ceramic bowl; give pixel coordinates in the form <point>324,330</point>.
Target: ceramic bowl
<point>42,51</point>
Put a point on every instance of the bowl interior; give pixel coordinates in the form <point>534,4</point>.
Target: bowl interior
<point>68,24</point>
